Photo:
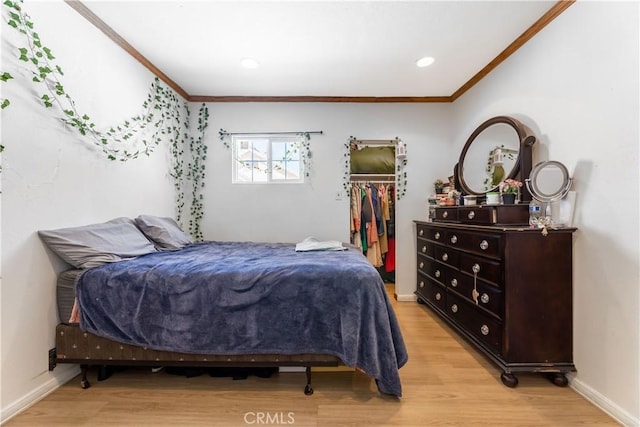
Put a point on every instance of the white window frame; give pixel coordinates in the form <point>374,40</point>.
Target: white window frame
<point>270,139</point>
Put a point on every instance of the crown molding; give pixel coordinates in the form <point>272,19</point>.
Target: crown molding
<point>354,99</point>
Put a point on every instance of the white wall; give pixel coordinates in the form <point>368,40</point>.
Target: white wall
<point>51,178</point>
<point>576,85</point>
<point>289,212</point>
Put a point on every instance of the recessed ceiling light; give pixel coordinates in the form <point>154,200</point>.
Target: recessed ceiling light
<point>249,63</point>
<point>425,62</point>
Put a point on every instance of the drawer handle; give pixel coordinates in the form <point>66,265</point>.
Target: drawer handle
<point>471,215</point>
<point>454,239</point>
<point>484,330</point>
<point>445,256</point>
<point>438,296</point>
<point>424,249</point>
<point>484,245</point>
<point>437,235</point>
<point>445,214</point>
<point>421,232</point>
<point>454,308</point>
<point>422,284</point>
<point>476,268</point>
<point>437,273</point>
<point>454,282</point>
<point>421,264</point>
<point>484,298</point>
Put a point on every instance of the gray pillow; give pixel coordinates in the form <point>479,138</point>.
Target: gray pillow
<point>97,244</point>
<point>164,232</point>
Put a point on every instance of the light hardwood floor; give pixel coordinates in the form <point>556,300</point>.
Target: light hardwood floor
<point>445,383</point>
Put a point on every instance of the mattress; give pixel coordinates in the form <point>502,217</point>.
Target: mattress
<point>66,293</point>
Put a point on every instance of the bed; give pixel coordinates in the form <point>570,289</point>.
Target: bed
<point>229,304</point>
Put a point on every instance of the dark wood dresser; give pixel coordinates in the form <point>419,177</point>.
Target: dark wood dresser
<point>505,288</point>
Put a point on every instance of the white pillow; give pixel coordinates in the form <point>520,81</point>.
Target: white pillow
<point>164,232</point>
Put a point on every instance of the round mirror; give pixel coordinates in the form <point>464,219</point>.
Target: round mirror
<point>500,148</point>
<point>549,181</point>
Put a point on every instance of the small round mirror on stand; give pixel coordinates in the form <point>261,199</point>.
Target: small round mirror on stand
<point>549,182</point>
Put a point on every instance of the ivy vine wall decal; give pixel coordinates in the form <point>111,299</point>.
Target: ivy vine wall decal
<point>165,116</point>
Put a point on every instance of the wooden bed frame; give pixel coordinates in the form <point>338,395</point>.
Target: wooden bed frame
<point>76,346</point>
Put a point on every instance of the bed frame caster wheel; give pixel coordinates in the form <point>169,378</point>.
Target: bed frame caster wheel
<point>509,379</point>
<point>84,384</point>
<point>559,379</point>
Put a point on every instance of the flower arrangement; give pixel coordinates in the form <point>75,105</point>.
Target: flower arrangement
<point>510,186</point>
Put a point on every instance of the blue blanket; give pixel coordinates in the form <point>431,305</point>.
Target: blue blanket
<point>249,298</point>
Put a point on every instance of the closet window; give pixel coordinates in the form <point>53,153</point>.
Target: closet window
<point>267,159</point>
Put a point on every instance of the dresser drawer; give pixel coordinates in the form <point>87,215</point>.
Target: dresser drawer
<point>433,234</point>
<point>486,269</point>
<point>428,266</point>
<point>447,214</point>
<point>431,291</point>
<point>481,325</point>
<point>489,297</point>
<point>453,279</point>
<point>481,243</point>
<point>447,255</point>
<point>498,214</point>
<point>475,215</point>
<point>425,248</point>
<point>436,270</point>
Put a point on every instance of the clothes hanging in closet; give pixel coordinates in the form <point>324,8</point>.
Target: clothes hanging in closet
<point>390,260</point>
<point>371,216</point>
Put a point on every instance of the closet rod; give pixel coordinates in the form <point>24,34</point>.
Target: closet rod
<point>315,132</point>
<point>372,182</point>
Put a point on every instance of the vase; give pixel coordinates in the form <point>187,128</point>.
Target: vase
<point>493,198</point>
<point>508,198</point>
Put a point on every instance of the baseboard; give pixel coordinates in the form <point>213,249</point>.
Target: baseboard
<point>405,298</point>
<point>615,411</point>
<point>64,375</point>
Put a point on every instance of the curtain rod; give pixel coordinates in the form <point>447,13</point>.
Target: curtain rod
<point>315,132</point>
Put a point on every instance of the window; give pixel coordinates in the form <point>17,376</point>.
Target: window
<point>267,159</point>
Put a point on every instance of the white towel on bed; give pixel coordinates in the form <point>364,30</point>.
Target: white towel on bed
<point>313,244</point>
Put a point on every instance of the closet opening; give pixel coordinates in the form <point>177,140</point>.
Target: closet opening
<point>372,202</point>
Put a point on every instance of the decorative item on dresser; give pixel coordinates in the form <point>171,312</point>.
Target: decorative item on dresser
<point>507,289</point>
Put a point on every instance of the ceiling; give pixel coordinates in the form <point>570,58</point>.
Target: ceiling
<point>320,49</point>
